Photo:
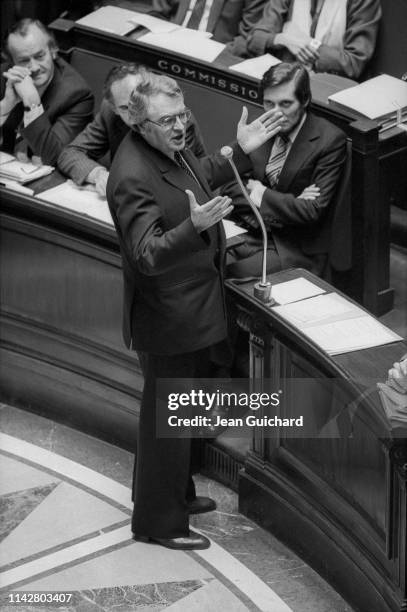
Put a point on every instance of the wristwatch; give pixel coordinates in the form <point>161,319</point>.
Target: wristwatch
<point>315,44</point>
<point>31,107</point>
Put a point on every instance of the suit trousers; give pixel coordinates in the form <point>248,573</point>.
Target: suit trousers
<point>162,480</point>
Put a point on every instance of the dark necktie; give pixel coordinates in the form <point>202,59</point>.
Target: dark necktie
<point>276,160</point>
<point>197,14</point>
<point>316,8</point>
<point>179,159</point>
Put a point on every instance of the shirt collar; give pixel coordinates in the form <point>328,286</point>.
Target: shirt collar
<point>294,133</point>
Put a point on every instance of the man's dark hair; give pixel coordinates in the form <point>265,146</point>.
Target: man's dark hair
<point>119,72</point>
<point>21,28</point>
<point>285,73</point>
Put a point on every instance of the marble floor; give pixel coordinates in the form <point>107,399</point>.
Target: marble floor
<point>65,539</point>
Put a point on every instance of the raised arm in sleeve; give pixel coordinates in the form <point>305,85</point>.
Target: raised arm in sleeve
<point>154,248</point>
<point>80,157</point>
<point>362,25</point>
<point>47,139</point>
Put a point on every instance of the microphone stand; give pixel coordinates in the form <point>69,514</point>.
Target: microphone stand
<point>262,289</point>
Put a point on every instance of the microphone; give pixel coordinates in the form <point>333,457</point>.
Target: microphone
<point>262,289</point>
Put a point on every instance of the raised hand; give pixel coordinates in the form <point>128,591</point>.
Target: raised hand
<point>210,213</point>
<point>252,135</point>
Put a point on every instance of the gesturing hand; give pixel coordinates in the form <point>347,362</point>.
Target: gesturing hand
<point>208,214</point>
<point>252,135</point>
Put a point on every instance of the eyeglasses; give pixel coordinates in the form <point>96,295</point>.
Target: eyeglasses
<point>168,122</point>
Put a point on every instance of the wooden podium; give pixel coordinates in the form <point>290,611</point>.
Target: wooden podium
<point>337,498</point>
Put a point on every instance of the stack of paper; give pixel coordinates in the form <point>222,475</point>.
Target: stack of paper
<point>21,172</point>
<point>380,99</point>
<point>335,324</point>
<point>83,200</point>
<point>188,42</point>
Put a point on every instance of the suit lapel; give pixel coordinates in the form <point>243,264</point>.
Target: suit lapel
<point>300,151</point>
<point>259,159</point>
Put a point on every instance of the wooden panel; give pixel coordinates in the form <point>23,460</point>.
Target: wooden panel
<point>62,352</point>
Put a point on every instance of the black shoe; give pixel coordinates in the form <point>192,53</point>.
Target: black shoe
<point>199,505</point>
<point>193,541</point>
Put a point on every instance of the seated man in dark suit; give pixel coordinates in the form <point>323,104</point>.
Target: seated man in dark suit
<point>337,36</point>
<point>44,101</point>
<point>82,158</point>
<point>229,21</point>
<point>294,180</point>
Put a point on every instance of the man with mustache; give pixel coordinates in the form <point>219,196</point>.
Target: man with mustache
<point>44,101</point>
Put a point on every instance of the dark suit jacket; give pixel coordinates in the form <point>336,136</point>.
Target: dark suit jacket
<point>229,20</point>
<point>68,106</point>
<point>173,289</point>
<point>103,136</point>
<point>300,228</point>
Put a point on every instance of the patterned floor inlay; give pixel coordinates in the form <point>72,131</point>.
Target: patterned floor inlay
<point>15,507</point>
<point>147,597</point>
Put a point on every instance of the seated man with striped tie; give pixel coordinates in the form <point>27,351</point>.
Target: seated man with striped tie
<point>229,21</point>
<point>293,182</point>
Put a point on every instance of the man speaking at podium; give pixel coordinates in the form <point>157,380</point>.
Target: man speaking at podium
<point>172,245</point>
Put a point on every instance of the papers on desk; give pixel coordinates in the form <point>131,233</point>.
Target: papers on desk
<point>110,19</point>
<point>294,290</point>
<point>232,229</point>
<point>21,172</point>
<point>154,24</point>
<point>335,324</point>
<point>383,99</point>
<point>188,42</point>
<point>256,66</point>
<point>83,200</point>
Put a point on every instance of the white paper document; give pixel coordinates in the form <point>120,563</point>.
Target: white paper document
<point>22,172</point>
<point>294,290</point>
<point>110,19</point>
<point>83,200</point>
<point>350,335</point>
<point>232,229</point>
<point>154,24</point>
<point>188,42</point>
<point>376,98</point>
<point>5,157</point>
<point>316,309</point>
<point>256,66</point>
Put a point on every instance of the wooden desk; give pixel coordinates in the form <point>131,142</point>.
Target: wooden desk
<point>339,501</point>
<point>216,95</point>
<point>61,348</point>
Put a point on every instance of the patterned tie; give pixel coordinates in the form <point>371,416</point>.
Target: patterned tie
<point>276,160</point>
<point>197,14</point>
<point>179,159</point>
